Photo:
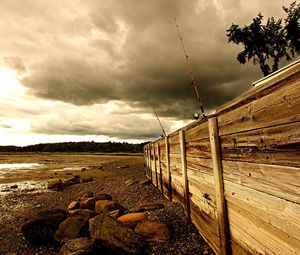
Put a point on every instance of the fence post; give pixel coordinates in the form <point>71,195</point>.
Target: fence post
<point>145,161</point>
<point>184,174</point>
<point>219,186</point>
<point>150,163</point>
<point>169,177</point>
<point>159,168</point>
<point>155,166</point>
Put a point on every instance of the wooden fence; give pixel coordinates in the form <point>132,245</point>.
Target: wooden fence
<point>237,172</point>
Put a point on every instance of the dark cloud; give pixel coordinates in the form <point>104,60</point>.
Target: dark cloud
<point>131,128</point>
<point>94,52</point>
<point>136,46</point>
<point>15,63</point>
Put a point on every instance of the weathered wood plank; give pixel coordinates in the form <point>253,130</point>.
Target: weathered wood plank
<point>175,164</point>
<point>202,165</point>
<point>202,186</point>
<point>177,189</point>
<point>155,165</point>
<point>169,176</point>
<point>207,204</point>
<point>146,156</point>
<point>197,132</point>
<point>265,112</point>
<point>274,145</point>
<point>279,181</point>
<point>154,170</point>
<point>257,236</point>
<point>218,177</point>
<point>281,214</point>
<point>199,148</point>
<point>269,85</point>
<point>159,168</point>
<point>184,175</point>
<point>207,226</point>
<point>150,163</point>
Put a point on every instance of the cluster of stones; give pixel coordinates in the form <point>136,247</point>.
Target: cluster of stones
<point>59,185</point>
<point>97,224</point>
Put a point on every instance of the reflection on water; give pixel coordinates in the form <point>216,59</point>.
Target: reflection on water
<point>4,168</point>
<point>19,166</point>
<point>68,169</point>
<point>22,186</point>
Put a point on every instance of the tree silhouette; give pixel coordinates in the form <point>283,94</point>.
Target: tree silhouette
<point>266,44</point>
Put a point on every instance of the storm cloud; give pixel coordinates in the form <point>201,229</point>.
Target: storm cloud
<point>85,53</point>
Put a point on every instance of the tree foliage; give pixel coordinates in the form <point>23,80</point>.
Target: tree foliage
<point>77,147</point>
<point>266,44</point>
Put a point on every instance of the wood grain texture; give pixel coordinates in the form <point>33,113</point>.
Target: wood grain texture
<point>199,148</point>
<point>282,106</point>
<point>150,161</point>
<point>197,132</point>
<point>146,155</point>
<point>208,226</point>
<point>154,170</point>
<point>278,145</point>
<point>268,86</point>
<point>218,177</point>
<point>281,214</point>
<point>257,236</point>
<point>169,176</point>
<point>202,186</point>
<point>160,181</point>
<point>184,175</point>
<point>279,181</point>
<point>258,158</point>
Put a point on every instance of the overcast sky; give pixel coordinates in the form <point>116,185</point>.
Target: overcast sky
<point>82,70</point>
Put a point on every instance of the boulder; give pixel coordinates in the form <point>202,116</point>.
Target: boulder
<point>87,179</point>
<point>106,206</point>
<point>113,237</point>
<point>153,231</point>
<point>56,185</point>
<point>41,228</point>
<point>72,226</point>
<point>83,169</point>
<point>73,206</point>
<point>132,219</point>
<point>85,194</point>
<point>89,203</point>
<point>148,207</point>
<point>72,181</point>
<point>77,246</point>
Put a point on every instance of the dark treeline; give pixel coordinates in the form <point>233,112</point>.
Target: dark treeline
<point>76,147</point>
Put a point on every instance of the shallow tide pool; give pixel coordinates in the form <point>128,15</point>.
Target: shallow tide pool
<point>19,166</point>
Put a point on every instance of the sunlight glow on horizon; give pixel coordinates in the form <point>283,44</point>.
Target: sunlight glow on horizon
<point>18,128</point>
<point>9,83</point>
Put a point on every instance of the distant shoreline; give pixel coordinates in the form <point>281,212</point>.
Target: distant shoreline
<point>89,147</point>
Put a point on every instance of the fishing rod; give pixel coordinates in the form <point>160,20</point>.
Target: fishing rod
<point>161,126</point>
<point>190,70</point>
<point>152,105</point>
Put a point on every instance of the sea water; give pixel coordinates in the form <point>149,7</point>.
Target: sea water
<point>24,185</point>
